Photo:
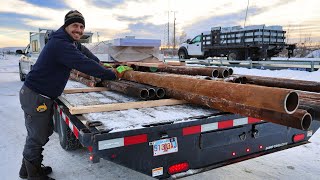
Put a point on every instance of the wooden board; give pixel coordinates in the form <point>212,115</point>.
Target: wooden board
<point>82,90</point>
<point>123,106</point>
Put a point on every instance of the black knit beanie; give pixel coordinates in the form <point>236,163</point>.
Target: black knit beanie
<point>72,17</point>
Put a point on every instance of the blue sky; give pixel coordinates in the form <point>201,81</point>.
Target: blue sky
<point>149,18</point>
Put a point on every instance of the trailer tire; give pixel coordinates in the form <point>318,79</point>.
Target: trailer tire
<point>66,137</point>
<point>22,76</point>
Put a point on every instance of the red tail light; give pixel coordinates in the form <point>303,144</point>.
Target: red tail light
<point>298,137</point>
<point>181,167</point>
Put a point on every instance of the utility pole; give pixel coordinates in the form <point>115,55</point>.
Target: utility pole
<point>168,29</point>
<point>174,30</point>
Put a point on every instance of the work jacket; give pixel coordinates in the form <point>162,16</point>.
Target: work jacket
<point>49,75</point>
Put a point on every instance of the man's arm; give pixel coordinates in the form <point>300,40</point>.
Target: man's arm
<point>70,56</point>
<point>88,53</point>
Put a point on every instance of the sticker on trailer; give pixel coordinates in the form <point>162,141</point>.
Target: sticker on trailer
<point>157,171</point>
<point>309,133</point>
<point>165,146</point>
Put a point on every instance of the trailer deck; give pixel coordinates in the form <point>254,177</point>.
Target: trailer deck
<point>130,119</point>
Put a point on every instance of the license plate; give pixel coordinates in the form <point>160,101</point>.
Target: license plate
<point>165,146</point>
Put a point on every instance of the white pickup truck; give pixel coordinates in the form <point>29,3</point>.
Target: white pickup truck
<point>256,42</point>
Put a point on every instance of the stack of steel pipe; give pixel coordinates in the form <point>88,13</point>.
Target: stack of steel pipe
<point>154,92</point>
<point>271,104</point>
<point>308,91</point>
<point>188,70</point>
<point>128,89</point>
<point>300,119</point>
<point>224,71</point>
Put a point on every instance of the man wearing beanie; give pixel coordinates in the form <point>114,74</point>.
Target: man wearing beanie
<point>46,81</point>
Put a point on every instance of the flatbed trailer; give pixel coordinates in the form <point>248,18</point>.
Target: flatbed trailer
<point>168,141</point>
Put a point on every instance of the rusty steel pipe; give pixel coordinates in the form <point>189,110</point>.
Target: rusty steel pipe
<point>78,73</point>
<point>284,83</point>
<point>276,99</point>
<point>152,93</point>
<point>130,90</point>
<point>309,95</point>
<point>242,79</point>
<point>160,92</point>
<point>300,119</point>
<point>187,70</point>
<point>230,70</point>
<point>233,79</point>
<point>311,106</point>
<point>88,82</point>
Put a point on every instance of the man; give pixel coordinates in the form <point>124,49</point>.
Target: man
<point>46,81</point>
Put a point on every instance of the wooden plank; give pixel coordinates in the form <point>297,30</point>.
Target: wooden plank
<point>124,106</point>
<point>82,90</point>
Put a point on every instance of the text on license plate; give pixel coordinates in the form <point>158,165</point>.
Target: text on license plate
<point>165,146</point>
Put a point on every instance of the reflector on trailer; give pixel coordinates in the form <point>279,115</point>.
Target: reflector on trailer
<point>177,168</point>
<point>191,130</point>
<point>298,137</point>
<point>260,147</point>
<point>233,154</point>
<point>248,150</point>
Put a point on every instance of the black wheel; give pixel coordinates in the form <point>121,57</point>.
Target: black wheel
<point>232,56</point>
<point>22,76</point>
<point>183,55</point>
<point>66,137</point>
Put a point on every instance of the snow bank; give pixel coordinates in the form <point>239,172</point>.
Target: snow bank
<point>289,74</point>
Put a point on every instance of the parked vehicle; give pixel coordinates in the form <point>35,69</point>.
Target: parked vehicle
<point>257,42</point>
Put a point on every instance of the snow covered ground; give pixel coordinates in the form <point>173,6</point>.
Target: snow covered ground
<point>302,162</point>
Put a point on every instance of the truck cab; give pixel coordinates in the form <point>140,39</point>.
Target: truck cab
<point>191,48</point>
<point>37,41</point>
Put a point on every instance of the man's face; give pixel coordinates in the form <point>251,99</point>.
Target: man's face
<point>75,30</point>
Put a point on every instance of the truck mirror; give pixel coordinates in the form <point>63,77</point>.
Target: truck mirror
<point>19,51</point>
<point>188,41</point>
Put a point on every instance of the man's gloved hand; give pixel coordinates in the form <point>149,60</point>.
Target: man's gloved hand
<point>121,69</point>
<point>107,65</point>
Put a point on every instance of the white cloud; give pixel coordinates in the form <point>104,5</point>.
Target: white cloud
<point>188,13</point>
